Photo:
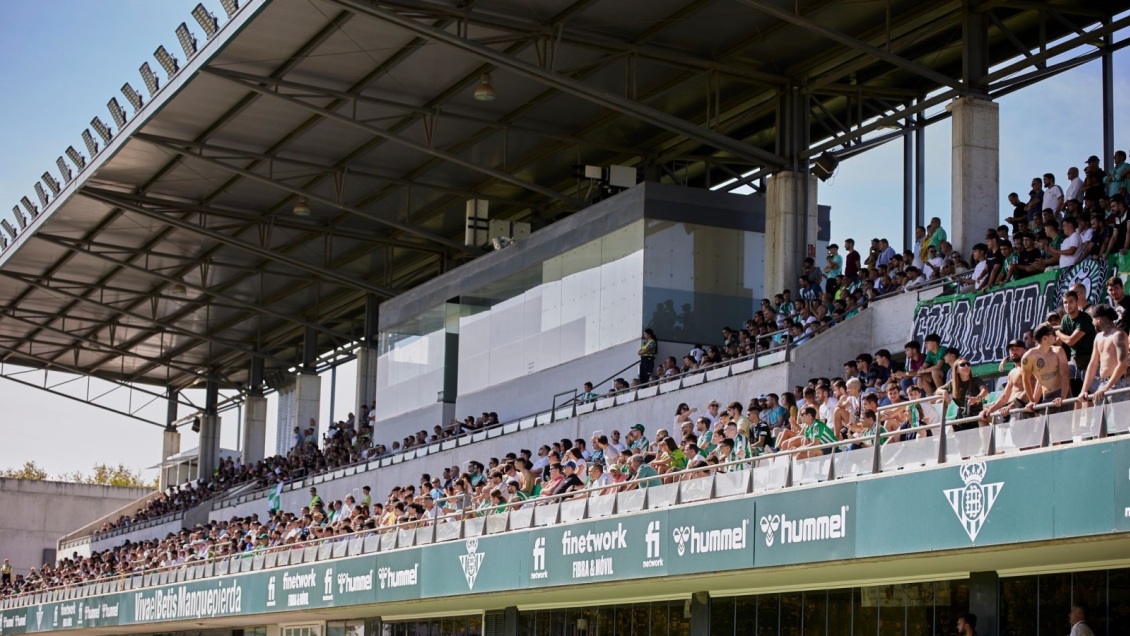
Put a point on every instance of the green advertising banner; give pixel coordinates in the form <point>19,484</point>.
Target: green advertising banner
<point>815,524</point>
<point>1070,491</point>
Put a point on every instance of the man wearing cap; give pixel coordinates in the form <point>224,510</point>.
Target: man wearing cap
<point>571,481</point>
<point>637,442</point>
<point>1093,180</point>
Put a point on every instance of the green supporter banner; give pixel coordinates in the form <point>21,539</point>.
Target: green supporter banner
<point>981,324</point>
<point>1075,491</point>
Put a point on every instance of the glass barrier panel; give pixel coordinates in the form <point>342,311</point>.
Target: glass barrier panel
<point>855,462</point>
<point>770,474</point>
<point>512,427</point>
<point>283,558</point>
<point>473,526</point>
<point>911,453</point>
<point>341,547</point>
<point>647,392</point>
<point>732,483</point>
<point>210,568</point>
<point>670,385</point>
<point>1118,417</point>
<point>447,530</point>
<point>601,505</point>
<point>625,398</point>
<point>1015,435</point>
<point>586,408</point>
<point>604,403</point>
<point>406,537</point>
<point>741,367</point>
<point>221,567</point>
<point>426,535</point>
<point>497,522</point>
<point>693,379</point>
<point>811,470</point>
<point>325,549</point>
<point>310,554</point>
<point>631,500</point>
<point>388,540</point>
<point>246,563</point>
<point>371,543</point>
<point>522,518</point>
<point>270,559</point>
<point>695,486</point>
<point>717,374</point>
<point>661,495</point>
<point>1075,425</point>
<point>572,510</point>
<point>546,515</point>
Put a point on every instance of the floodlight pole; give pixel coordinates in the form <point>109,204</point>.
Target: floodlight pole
<point>1108,97</point>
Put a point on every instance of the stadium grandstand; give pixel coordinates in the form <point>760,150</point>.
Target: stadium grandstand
<point>618,372</point>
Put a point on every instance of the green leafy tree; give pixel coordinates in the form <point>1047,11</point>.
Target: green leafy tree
<point>30,470</point>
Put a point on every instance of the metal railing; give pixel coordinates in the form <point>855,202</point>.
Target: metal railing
<point>931,444</point>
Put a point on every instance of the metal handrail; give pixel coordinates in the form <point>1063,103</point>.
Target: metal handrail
<point>617,488</point>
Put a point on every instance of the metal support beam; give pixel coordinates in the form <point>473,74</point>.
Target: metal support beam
<point>847,40</point>
<point>172,413</point>
<point>88,249</point>
<point>566,84</point>
<point>389,136</point>
<point>309,351</point>
<point>57,393</point>
<point>920,168</point>
<point>908,166</point>
<point>256,376</point>
<point>975,51</point>
<point>194,228</point>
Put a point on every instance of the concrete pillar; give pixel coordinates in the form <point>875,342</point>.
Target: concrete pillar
<point>307,401</point>
<point>975,189</point>
<point>700,614</point>
<point>366,378</point>
<point>170,445</point>
<point>254,429</point>
<point>785,238</point>
<point>984,601</point>
<point>209,457</point>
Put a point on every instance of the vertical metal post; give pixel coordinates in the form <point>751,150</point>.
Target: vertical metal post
<point>171,406</point>
<point>310,351</point>
<point>920,169</point>
<point>333,392</point>
<point>942,436</point>
<point>1108,99</point>
<point>908,166</point>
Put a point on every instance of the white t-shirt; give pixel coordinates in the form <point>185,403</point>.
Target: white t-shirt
<point>1075,241</point>
<point>1075,190</point>
<point>1053,197</point>
<point>979,272</point>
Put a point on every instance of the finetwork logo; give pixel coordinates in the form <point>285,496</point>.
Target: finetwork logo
<point>539,560</point>
<point>328,585</point>
<point>973,502</point>
<point>708,541</point>
<point>471,561</point>
<point>781,528</point>
<point>651,540</point>
<point>271,592</point>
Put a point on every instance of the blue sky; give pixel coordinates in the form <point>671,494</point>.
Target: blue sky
<point>62,60</point>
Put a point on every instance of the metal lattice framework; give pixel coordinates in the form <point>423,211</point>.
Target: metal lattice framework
<point>170,254</point>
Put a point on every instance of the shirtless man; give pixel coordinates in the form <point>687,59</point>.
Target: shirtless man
<point>1107,369</point>
<point>1012,395</point>
<point>1044,370</point>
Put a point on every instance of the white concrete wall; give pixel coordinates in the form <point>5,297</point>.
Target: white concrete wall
<point>34,515</point>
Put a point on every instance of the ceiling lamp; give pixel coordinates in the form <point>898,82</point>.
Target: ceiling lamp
<point>179,290</point>
<point>484,92</point>
<point>301,208</point>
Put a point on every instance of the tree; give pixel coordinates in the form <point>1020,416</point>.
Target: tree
<point>102,475</point>
<point>30,471</point>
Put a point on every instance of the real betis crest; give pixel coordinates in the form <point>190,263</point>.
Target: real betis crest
<point>471,561</point>
<point>973,502</point>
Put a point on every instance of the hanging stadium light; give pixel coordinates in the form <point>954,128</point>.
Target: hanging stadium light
<point>484,92</point>
<point>91,145</point>
<point>187,40</point>
<point>52,184</point>
<point>150,78</point>
<point>167,61</point>
<point>20,218</point>
<point>207,21</point>
<point>41,194</point>
<point>102,129</point>
<point>133,97</point>
<point>301,207</point>
<point>231,7</point>
<point>64,169</point>
<point>29,206</point>
<point>76,157</point>
<point>8,227</point>
<point>117,112</point>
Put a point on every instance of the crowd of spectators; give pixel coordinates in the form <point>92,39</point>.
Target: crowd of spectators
<point>1085,348</point>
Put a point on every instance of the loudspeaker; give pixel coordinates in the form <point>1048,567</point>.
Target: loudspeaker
<point>825,165</point>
